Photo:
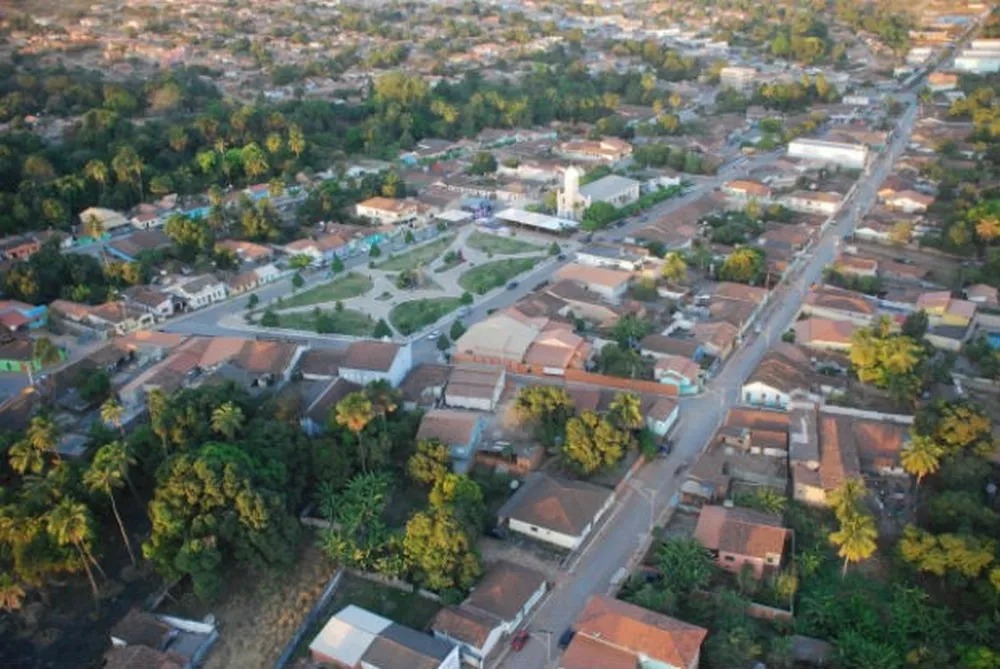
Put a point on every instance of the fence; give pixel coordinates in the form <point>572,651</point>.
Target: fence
<point>310,620</point>
<point>396,583</point>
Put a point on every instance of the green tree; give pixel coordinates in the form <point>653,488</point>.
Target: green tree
<point>297,281</point>
<point>846,499</point>
<point>688,563</point>
<point>744,265</point>
<point>28,455</point>
<point>441,551</point>
<point>227,419</point>
<point>127,166</point>
<point>43,353</point>
<point>269,319</point>
<point>443,343</point>
<point>108,471</point>
<point>70,524</point>
<point>296,140</point>
<point>546,409</point>
<point>674,267</point>
<point>457,330</point>
<point>254,161</point>
<point>336,265</point>
<point>252,300</point>
<point>483,163</point>
<point>97,171</point>
<point>626,411</point>
<point>355,412</point>
<point>381,329</point>
<point>630,329</point>
<point>889,361</point>
<point>593,443</point>
<point>112,413</point>
<point>599,215</point>
<point>915,325</point>
<point>430,462</point>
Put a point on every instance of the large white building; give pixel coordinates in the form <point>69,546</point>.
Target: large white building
<point>573,199</point>
<point>852,156</point>
<point>740,78</point>
<point>982,56</point>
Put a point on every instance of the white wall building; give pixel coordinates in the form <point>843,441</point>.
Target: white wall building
<point>852,156</point>
<point>740,78</point>
<point>200,291</point>
<point>557,511</point>
<point>368,361</point>
<point>573,199</point>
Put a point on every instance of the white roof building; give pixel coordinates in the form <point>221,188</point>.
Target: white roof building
<point>347,635</point>
<point>533,219</point>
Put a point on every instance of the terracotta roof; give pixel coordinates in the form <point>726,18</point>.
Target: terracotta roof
<point>320,409</point>
<point>718,333</point>
<point>735,312</point>
<point>757,419</point>
<point>422,378</point>
<point>321,362</point>
<point>684,367</point>
<point>934,300</point>
<point>449,426</point>
<point>662,408</point>
<point>505,590</point>
<point>584,399</point>
<point>387,204</point>
<point>816,330</point>
<point>478,382</point>
<point>669,345</point>
<point>643,633</point>
<point>587,653</point>
<point>376,356</point>
<point>785,368</point>
<point>265,357</point>
<point>600,276</point>
<point>245,250</point>
<point>244,280</point>
<point>748,186</point>
<point>739,291</point>
<point>982,293</point>
<point>838,458</point>
<point>465,624</point>
<point>847,264</point>
<point>740,531</point>
<point>830,297</point>
<point>146,296</point>
<point>560,505</point>
<point>141,657</point>
<point>138,628</point>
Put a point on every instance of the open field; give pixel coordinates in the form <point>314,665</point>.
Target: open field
<point>486,277</point>
<point>345,287</point>
<point>487,243</point>
<point>346,321</point>
<point>418,257</point>
<point>410,316</point>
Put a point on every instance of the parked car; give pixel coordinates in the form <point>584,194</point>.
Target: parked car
<point>434,335</point>
<point>519,640</point>
<point>666,448</point>
<point>681,468</point>
<point>566,637</point>
<point>561,256</point>
<point>512,285</point>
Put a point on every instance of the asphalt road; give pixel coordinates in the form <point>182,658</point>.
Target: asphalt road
<point>625,531</point>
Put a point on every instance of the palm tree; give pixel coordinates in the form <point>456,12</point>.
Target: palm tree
<point>355,412</point>
<point>69,523</point>
<point>846,497</point>
<point>25,458</point>
<point>920,457</point>
<point>674,268</point>
<point>93,228</point>
<point>626,410</point>
<point>156,404</point>
<point>28,455</point>
<point>11,593</point>
<point>112,414</point>
<point>107,473</point>
<point>128,168</point>
<point>855,539</point>
<point>227,420</point>
<point>97,171</point>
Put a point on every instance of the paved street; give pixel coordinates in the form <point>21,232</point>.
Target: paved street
<point>625,530</point>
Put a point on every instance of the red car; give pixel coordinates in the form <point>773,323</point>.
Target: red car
<point>519,640</point>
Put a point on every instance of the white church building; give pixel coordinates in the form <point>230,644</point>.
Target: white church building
<point>573,199</point>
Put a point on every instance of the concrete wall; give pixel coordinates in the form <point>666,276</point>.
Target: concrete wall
<point>549,536</point>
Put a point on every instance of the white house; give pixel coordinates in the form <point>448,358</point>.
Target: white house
<point>475,387</point>
<point>852,156</point>
<point>391,211</point>
<point>368,361</point>
<point>740,78</point>
<point>808,202</point>
<point>199,291</point>
<point>662,416</point>
<point>495,608</point>
<point>612,256</point>
<point>784,370</point>
<point>573,199</point>
<point>557,511</point>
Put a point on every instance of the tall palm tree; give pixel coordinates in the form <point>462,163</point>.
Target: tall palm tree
<point>28,454</point>
<point>108,472</point>
<point>920,457</point>
<point>227,419</point>
<point>11,593</point>
<point>355,412</point>
<point>24,458</point>
<point>93,228</point>
<point>855,540</point>
<point>128,168</point>
<point>97,171</point>
<point>846,498</point>
<point>626,410</point>
<point>156,404</point>
<point>70,524</point>
<point>112,413</point>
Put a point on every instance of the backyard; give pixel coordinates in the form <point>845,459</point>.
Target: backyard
<point>486,277</point>
<point>488,243</point>
<point>409,317</point>
<point>350,285</point>
<point>418,257</point>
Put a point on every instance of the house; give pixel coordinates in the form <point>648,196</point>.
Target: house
<point>19,247</point>
<point>317,415</point>
<point>742,191</point>
<point>909,202</point>
<point>615,256</point>
<point>717,338</point>
<point>983,294</point>
<point>681,372</point>
<point>742,538</point>
<point>424,386</point>
<point>368,361</point>
<point>15,315</point>
<point>320,364</point>
<point>573,199</point>
<point>571,300</point>
<point>495,607</point>
<point>246,252</point>
<point>511,338</point>
<point>131,248</point>
<point>610,284</point>
<point>939,82</point>
<point>149,299</point>
<point>824,333</point>
<point>199,291</point>
<point>809,202</point>
<point>476,388</point>
<point>109,318</point>
<point>838,304</point>
<point>557,348</point>
<point>391,211</point>
<point>320,250</point>
<point>661,415</point>
<point>661,346</point>
<point>738,78</point>
<point>556,511</point>
<point>851,156</point>
<point>783,370</point>
<point>184,643</point>
<point>943,309</point>
<point>261,364</point>
<point>460,431</point>
<point>607,149</point>
<point>355,638</point>
<point>108,219</point>
<point>612,634</point>
<point>849,265</point>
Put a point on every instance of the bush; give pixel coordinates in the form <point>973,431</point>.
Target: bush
<point>270,319</point>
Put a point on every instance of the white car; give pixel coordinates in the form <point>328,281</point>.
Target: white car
<point>434,335</point>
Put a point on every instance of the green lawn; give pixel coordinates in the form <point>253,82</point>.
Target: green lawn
<point>347,321</point>
<point>410,316</point>
<point>342,288</point>
<point>488,276</point>
<point>422,255</point>
<point>504,246</point>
